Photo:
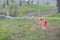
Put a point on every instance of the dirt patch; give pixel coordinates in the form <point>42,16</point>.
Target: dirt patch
<point>52,32</point>
<point>40,13</point>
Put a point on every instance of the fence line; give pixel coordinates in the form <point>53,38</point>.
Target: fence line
<point>34,17</point>
<point>28,17</point>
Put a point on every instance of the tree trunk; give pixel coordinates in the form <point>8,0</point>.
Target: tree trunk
<point>28,2</point>
<point>7,2</point>
<point>4,5</point>
<point>47,2</point>
<point>20,3</point>
<point>58,5</point>
<point>31,2</point>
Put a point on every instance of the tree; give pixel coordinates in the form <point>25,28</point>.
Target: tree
<point>7,1</point>
<point>58,5</point>
<point>32,2</point>
<point>47,2</point>
<point>28,2</point>
<point>38,1</point>
<point>20,2</point>
<point>4,5</point>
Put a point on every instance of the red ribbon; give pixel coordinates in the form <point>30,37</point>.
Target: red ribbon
<point>39,19</point>
<point>44,22</point>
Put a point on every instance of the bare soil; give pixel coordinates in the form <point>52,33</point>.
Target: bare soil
<point>40,13</point>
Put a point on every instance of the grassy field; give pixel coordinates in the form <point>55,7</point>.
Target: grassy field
<point>23,29</point>
<point>20,29</point>
<point>27,8</point>
<point>54,21</point>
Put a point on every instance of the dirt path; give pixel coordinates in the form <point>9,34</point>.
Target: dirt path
<point>41,13</point>
<point>52,32</point>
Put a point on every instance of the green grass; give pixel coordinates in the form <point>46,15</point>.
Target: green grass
<point>54,21</point>
<point>28,8</point>
<point>57,15</point>
<point>20,28</point>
